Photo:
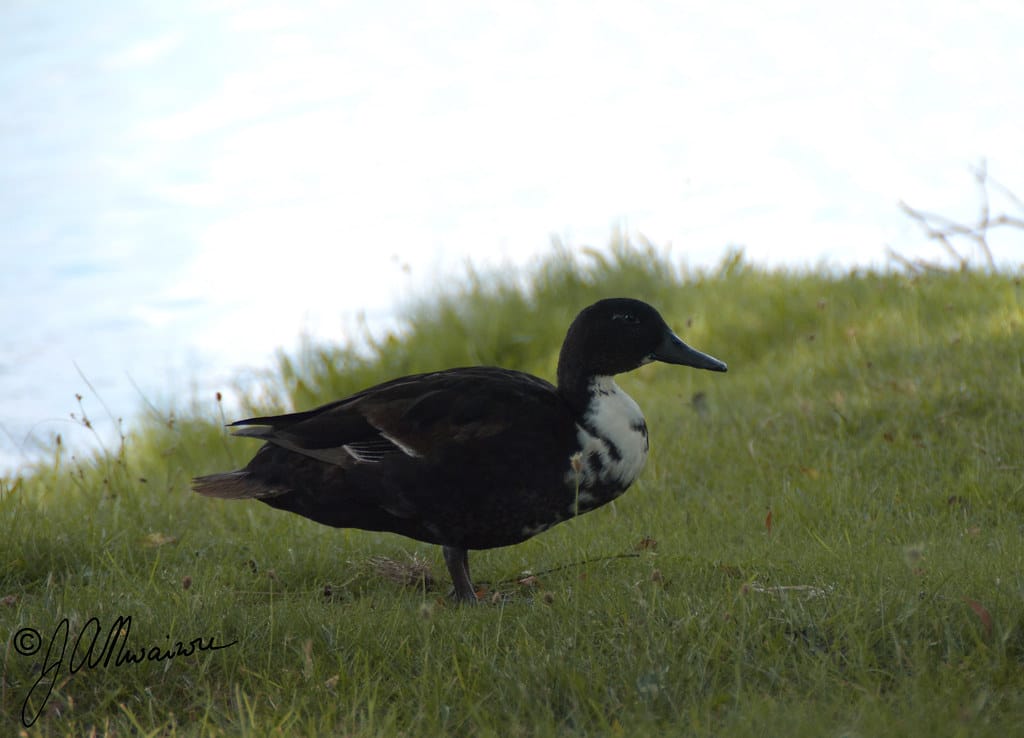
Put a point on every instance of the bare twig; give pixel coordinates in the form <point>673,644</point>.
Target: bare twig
<point>945,231</point>
<point>981,177</point>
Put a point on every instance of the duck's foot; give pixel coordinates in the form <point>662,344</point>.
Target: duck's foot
<point>457,560</point>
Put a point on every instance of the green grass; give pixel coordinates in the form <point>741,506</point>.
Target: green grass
<point>878,418</point>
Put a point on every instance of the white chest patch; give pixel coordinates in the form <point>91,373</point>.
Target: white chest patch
<point>612,437</point>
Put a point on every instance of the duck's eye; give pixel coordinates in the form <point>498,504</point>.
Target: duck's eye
<point>626,318</point>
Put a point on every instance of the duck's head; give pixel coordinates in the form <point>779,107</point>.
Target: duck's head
<point>618,335</point>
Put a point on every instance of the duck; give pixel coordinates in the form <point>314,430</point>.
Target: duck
<point>470,458</point>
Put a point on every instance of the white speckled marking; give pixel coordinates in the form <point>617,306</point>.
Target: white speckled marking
<point>361,457</point>
<point>407,450</point>
<point>612,419</point>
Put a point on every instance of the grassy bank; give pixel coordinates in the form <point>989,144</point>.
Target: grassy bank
<point>827,540</point>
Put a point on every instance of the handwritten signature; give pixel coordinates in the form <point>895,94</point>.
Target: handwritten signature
<point>114,651</point>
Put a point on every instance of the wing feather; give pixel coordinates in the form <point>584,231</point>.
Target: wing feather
<point>410,418</point>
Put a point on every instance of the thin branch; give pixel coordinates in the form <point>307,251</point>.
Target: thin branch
<point>981,177</point>
<point>944,230</point>
<point>1007,193</point>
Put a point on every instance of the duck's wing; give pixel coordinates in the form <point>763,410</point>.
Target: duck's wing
<point>418,417</point>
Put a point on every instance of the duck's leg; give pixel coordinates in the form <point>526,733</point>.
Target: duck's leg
<point>457,560</point>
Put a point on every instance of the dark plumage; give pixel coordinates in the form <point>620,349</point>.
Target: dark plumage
<point>469,458</point>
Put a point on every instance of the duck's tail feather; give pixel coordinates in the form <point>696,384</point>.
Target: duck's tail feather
<point>236,485</point>
<point>264,431</point>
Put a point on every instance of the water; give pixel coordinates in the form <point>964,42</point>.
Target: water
<point>188,186</point>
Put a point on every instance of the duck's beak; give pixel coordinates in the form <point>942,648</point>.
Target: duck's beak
<point>673,351</point>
